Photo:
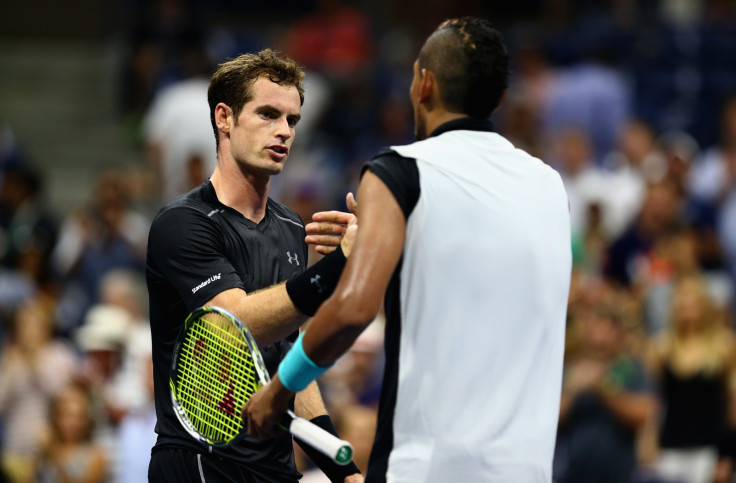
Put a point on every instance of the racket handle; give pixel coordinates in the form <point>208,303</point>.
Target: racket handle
<point>339,450</point>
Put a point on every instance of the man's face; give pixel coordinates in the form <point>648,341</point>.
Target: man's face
<point>601,336</point>
<point>261,138</point>
<point>420,126</point>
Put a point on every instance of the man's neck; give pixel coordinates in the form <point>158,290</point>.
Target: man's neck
<point>243,192</point>
<point>437,118</point>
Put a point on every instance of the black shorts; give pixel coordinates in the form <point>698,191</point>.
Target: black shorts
<point>175,465</point>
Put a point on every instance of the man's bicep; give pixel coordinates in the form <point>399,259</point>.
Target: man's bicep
<point>186,249</point>
<point>380,241</point>
<point>400,175</point>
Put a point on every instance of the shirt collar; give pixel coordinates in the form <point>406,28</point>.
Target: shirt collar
<point>209,194</point>
<point>464,123</point>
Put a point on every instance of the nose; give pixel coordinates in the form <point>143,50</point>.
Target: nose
<point>281,128</point>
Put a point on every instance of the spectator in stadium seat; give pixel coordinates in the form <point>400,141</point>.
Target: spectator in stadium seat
<point>71,454</point>
<point>106,235</point>
<point>629,256</point>
<point>34,367</point>
<point>606,402</point>
<point>694,362</point>
<point>27,228</point>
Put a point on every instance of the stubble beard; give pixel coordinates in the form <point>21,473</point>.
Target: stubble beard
<point>255,171</point>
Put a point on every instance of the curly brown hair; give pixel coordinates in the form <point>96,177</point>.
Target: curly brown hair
<point>232,83</point>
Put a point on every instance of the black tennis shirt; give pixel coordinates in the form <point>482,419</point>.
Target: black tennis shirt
<point>197,248</point>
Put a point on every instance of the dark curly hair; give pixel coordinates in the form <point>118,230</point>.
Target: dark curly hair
<point>233,81</point>
<point>471,64</point>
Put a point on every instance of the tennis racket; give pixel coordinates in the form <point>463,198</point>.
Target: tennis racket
<point>216,368</point>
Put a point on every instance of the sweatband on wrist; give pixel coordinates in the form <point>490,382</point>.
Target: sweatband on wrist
<point>297,370</point>
<point>333,471</point>
<point>315,284</point>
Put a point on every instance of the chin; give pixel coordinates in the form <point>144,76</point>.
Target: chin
<point>262,170</point>
<point>274,170</point>
<point>273,167</point>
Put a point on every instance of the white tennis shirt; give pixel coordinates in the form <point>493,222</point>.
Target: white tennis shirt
<point>483,297</point>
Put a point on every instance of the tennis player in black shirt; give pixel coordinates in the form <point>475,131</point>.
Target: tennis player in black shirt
<point>226,243</point>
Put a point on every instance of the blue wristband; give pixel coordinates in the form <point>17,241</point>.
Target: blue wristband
<point>297,370</point>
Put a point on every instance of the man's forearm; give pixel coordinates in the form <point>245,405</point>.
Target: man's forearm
<point>269,314</point>
<point>631,409</point>
<point>308,403</point>
<point>333,332</point>
<point>273,313</point>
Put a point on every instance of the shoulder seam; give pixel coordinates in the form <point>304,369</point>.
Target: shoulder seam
<point>289,220</point>
<point>389,153</point>
<point>166,209</point>
<point>290,215</point>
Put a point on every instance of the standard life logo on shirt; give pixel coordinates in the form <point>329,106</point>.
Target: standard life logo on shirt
<point>208,281</point>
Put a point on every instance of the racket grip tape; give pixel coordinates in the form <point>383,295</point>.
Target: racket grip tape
<point>339,450</point>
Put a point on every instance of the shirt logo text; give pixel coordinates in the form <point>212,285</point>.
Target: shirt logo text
<point>208,281</point>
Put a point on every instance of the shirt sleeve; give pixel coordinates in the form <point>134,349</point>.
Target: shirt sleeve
<point>186,248</point>
<point>400,175</point>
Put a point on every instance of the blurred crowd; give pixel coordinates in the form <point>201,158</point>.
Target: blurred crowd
<point>633,102</point>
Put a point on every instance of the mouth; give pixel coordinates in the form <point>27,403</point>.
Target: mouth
<point>279,151</point>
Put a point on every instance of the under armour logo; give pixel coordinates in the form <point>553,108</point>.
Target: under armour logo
<point>315,280</point>
<point>293,259</point>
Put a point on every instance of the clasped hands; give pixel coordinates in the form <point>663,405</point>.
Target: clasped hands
<point>329,229</point>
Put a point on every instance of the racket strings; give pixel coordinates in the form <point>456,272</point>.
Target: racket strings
<point>216,376</point>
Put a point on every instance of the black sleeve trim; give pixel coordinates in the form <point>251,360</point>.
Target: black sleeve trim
<point>400,175</point>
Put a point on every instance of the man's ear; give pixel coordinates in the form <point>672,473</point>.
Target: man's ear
<point>223,117</point>
<point>426,85</point>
